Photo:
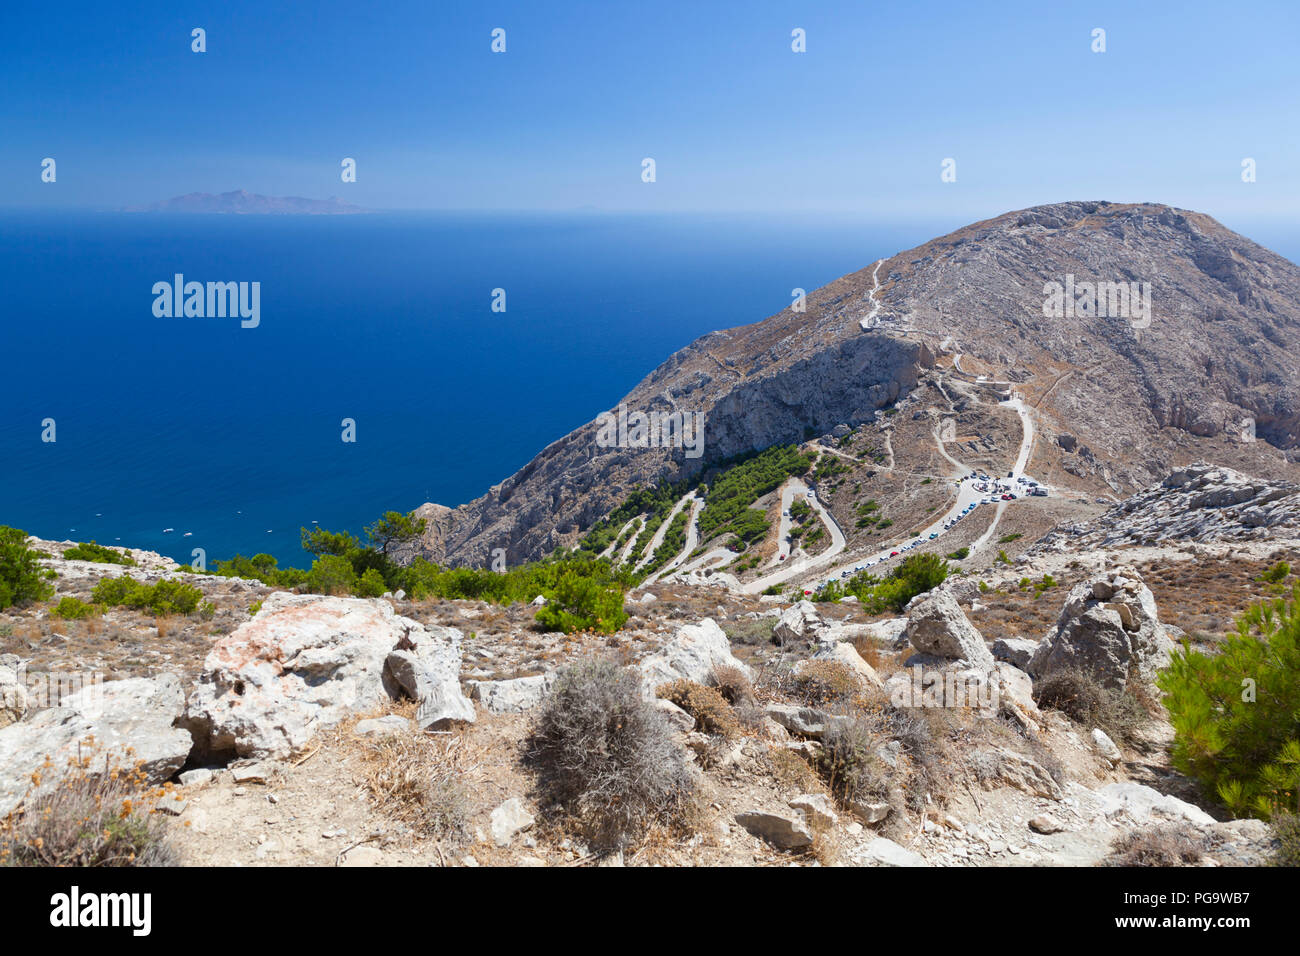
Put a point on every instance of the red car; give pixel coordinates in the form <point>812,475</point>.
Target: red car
<point>893,554</point>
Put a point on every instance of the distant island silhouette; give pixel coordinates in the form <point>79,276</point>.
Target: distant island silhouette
<point>243,203</point>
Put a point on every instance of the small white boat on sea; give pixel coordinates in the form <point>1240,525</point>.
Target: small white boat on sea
<point>188,534</point>
<point>168,530</point>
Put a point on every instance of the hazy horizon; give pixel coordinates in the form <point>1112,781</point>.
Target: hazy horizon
<point>736,121</point>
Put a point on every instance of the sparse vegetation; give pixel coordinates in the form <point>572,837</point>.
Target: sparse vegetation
<point>1119,714</point>
<point>849,763</point>
<point>608,757</point>
<point>751,630</point>
<point>418,780</point>
<point>1158,846</point>
<point>732,683</point>
<point>825,683</point>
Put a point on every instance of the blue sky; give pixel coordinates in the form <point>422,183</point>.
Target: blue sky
<point>856,126</point>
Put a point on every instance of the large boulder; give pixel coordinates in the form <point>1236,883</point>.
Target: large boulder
<point>937,627</point>
<point>799,623</point>
<point>1109,629</point>
<point>305,662</point>
<point>693,653</point>
<point>130,723</point>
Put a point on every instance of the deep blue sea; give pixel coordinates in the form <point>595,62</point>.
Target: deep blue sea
<point>234,435</point>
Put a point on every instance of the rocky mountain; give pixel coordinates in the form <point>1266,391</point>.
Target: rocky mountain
<point>242,203</point>
<point>1143,338</point>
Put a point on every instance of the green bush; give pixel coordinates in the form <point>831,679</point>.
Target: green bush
<point>261,567</point>
<point>580,603</point>
<point>90,551</point>
<point>332,574</point>
<point>1276,573</point>
<point>1236,713</point>
<point>371,584</point>
<point>916,574</point>
<point>744,482</point>
<point>21,576</point>
<point>73,609</point>
<point>961,554</point>
<point>168,596</point>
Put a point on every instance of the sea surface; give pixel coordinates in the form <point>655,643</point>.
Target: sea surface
<point>232,437</point>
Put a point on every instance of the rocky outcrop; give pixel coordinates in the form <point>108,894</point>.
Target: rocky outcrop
<point>1109,629</point>
<point>306,661</point>
<point>785,831</point>
<point>692,654</point>
<point>1200,502</point>
<point>129,723</point>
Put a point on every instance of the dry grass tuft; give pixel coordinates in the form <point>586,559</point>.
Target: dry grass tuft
<point>1158,846</point>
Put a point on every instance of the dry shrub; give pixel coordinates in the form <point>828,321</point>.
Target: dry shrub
<point>822,683</point>
<point>1079,696</point>
<point>732,683</point>
<point>418,780</point>
<point>926,739</point>
<point>96,816</point>
<point>1178,845</point>
<point>608,757</point>
<point>706,704</point>
<point>792,770</point>
<point>849,763</point>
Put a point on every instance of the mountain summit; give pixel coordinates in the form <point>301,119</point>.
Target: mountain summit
<point>1140,336</point>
